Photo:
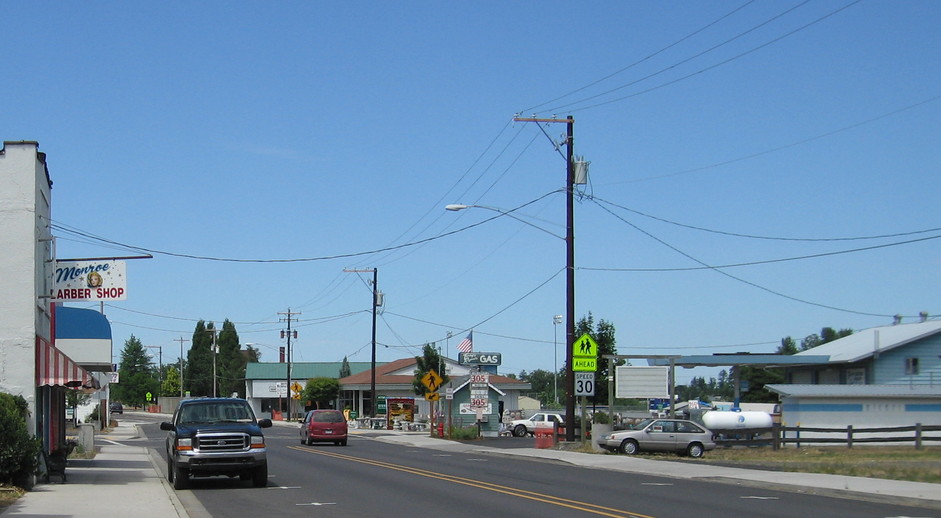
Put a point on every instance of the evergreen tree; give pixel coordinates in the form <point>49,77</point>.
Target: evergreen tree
<point>198,378</point>
<point>430,360</point>
<point>137,374</point>
<point>603,335</point>
<point>345,368</point>
<point>231,362</point>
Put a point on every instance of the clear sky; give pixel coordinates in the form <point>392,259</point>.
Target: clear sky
<point>758,169</point>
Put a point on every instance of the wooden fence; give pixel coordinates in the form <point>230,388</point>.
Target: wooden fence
<point>778,436</point>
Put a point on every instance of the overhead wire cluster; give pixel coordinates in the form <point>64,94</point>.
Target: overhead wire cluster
<point>502,154</point>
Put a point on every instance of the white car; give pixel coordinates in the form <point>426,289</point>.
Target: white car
<point>539,420</point>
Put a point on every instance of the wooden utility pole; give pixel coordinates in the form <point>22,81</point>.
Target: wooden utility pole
<point>181,340</point>
<point>290,396</point>
<point>569,269</point>
<point>375,304</point>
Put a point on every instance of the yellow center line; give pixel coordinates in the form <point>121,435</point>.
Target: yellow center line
<point>488,486</point>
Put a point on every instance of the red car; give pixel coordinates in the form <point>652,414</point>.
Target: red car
<point>324,426</point>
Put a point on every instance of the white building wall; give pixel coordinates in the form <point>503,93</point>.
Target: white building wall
<point>869,412</point>
<point>27,250</point>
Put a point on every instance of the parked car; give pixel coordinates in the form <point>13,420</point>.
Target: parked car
<point>539,420</point>
<point>215,436</point>
<point>677,435</point>
<point>116,408</point>
<point>324,426</point>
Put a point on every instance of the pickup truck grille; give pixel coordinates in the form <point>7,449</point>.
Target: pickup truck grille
<point>213,442</point>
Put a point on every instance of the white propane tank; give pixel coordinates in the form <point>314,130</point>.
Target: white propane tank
<point>730,420</point>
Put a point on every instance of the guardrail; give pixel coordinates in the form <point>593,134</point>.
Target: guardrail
<point>778,436</point>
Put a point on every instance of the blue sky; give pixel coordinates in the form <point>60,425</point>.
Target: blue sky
<point>333,135</point>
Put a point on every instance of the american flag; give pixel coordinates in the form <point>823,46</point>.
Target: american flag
<point>467,344</point>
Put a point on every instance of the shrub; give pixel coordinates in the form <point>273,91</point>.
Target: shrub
<point>600,417</point>
<point>19,451</point>
<point>464,434</point>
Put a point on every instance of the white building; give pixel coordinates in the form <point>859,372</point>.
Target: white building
<point>30,364</point>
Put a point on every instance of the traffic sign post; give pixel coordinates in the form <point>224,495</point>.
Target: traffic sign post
<point>584,366</point>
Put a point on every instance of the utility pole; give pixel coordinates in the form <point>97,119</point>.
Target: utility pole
<point>289,334</point>
<point>181,340</point>
<point>376,302</point>
<point>569,269</point>
<point>215,352</point>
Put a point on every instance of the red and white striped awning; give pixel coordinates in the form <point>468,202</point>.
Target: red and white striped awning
<point>55,369</point>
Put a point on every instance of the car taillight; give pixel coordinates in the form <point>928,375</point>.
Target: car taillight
<point>184,444</point>
<point>258,441</point>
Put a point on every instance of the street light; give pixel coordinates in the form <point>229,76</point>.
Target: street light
<point>556,320</point>
<point>454,207</point>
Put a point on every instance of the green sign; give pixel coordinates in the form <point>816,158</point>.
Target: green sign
<point>381,405</point>
<point>584,364</point>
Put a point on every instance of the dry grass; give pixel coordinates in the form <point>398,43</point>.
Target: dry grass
<point>888,462</point>
<point>8,495</point>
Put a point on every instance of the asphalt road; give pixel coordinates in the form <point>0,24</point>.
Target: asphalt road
<point>370,478</point>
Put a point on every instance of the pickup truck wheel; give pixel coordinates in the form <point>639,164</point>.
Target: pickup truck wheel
<point>629,447</point>
<point>169,473</point>
<point>519,431</point>
<point>181,478</point>
<point>260,476</point>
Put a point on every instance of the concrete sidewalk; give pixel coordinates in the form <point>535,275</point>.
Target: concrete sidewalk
<point>121,481</point>
<point>125,480</point>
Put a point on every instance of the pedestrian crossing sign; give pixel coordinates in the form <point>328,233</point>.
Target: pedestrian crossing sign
<point>585,347</point>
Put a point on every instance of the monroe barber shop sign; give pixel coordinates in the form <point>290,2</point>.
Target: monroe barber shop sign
<point>90,280</point>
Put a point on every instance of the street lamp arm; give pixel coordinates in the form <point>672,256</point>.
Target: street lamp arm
<point>454,207</point>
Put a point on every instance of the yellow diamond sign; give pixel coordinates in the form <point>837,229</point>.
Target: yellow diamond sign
<point>431,380</point>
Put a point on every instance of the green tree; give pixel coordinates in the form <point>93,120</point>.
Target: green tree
<point>603,334</point>
<point>430,360</point>
<point>788,346</point>
<point>345,368</point>
<point>171,381</point>
<point>231,361</point>
<point>138,376</point>
<point>75,398</point>
<point>543,387</point>
<point>198,377</point>
<point>321,391</point>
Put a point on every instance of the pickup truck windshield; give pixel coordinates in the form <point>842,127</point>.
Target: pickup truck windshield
<point>215,413</point>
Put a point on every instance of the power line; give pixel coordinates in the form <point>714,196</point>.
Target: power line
<point>782,147</point>
<point>301,259</point>
<point>572,108</point>
<point>645,58</point>
<point>739,279</point>
<point>770,238</point>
